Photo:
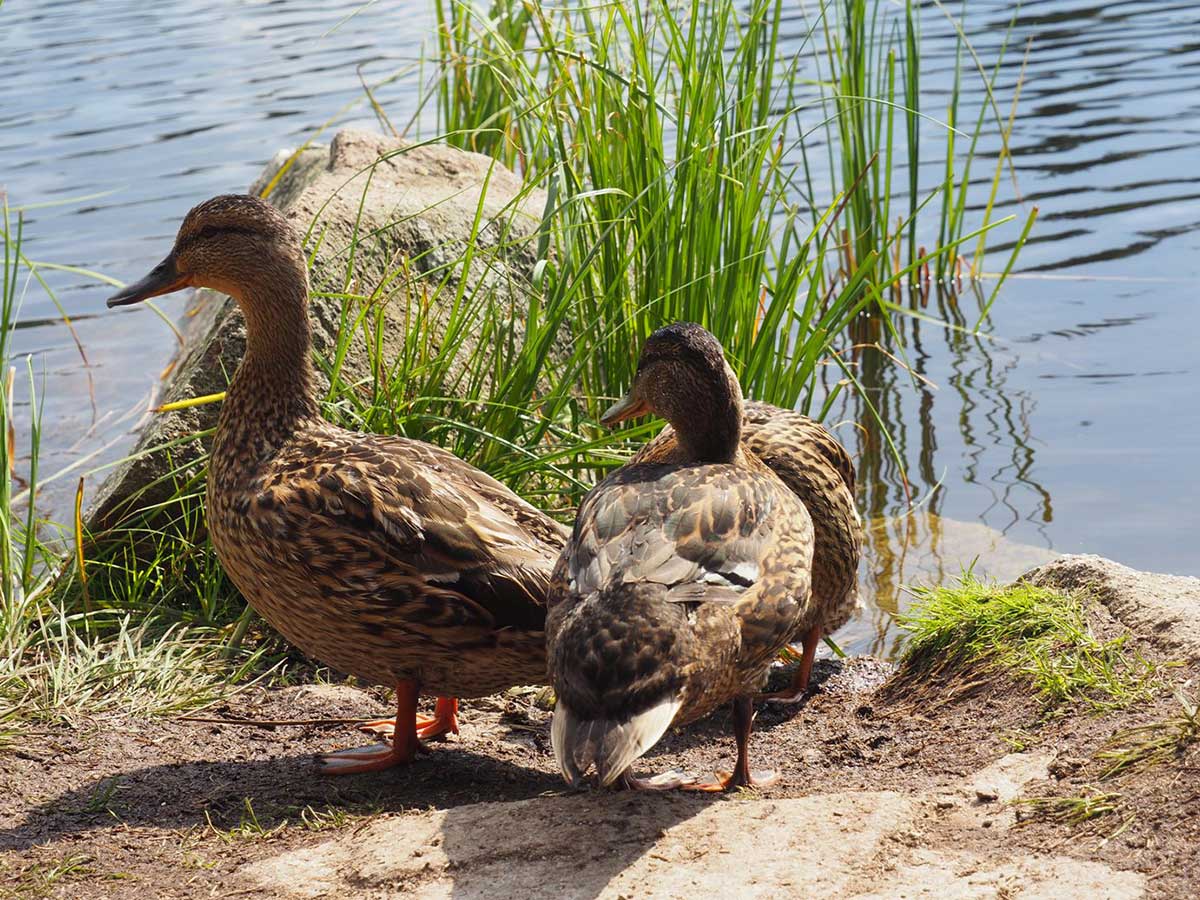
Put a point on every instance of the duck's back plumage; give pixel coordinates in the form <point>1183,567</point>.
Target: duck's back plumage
<point>818,470</point>
<point>679,584</point>
<point>773,430</point>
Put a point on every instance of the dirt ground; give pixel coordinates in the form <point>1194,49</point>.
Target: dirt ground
<point>914,789</point>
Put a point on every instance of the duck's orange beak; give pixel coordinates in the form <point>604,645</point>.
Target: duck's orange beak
<point>163,279</point>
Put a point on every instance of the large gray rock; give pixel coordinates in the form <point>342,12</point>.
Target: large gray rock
<point>1163,609</point>
<point>389,220</point>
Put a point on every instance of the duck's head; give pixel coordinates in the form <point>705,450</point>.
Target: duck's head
<point>236,244</point>
<point>683,377</point>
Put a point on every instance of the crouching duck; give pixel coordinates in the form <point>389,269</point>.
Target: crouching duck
<point>687,571</point>
<point>382,557</point>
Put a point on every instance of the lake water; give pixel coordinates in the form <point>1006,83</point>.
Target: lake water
<point>1072,426</point>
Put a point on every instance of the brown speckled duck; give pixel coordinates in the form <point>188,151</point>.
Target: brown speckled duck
<point>817,468</point>
<point>686,573</point>
<point>382,557</point>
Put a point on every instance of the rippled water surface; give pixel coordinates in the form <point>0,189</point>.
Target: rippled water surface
<point>1071,426</point>
<point>146,109</point>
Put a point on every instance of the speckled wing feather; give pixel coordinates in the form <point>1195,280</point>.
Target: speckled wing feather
<point>531,520</point>
<point>681,528</point>
<point>767,425</point>
<point>411,523</point>
<point>818,470</point>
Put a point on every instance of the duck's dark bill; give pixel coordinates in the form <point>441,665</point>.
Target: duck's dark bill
<point>628,408</point>
<point>162,279</point>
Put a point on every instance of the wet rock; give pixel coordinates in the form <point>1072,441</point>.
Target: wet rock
<point>1163,609</point>
<point>375,206</point>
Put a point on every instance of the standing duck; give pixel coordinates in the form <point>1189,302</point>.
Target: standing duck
<point>382,557</point>
<point>686,573</point>
<point>819,471</point>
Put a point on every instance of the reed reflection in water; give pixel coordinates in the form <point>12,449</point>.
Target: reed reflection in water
<point>953,418</point>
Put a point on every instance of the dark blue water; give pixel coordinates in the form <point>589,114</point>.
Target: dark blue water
<point>1072,425</point>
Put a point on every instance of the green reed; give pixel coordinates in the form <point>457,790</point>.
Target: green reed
<point>632,106</point>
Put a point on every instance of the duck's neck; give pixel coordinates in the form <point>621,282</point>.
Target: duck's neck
<point>710,431</point>
<point>272,393</point>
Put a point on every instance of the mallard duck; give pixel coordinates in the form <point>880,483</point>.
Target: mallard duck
<point>382,557</point>
<point>817,468</point>
<point>687,571</point>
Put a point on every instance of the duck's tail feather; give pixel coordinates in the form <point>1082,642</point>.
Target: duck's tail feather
<point>610,744</point>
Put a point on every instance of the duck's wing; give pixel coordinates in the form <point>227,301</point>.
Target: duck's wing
<point>728,535</point>
<point>705,533</point>
<point>530,519</point>
<point>409,528</point>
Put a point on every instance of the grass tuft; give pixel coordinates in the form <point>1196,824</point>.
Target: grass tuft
<point>1174,739</point>
<point>1077,810</point>
<point>333,818</point>
<point>1035,633</point>
<point>249,828</point>
<point>103,797</point>
<point>40,879</point>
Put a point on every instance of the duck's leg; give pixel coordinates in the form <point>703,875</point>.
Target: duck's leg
<point>799,687</point>
<point>403,748</point>
<point>443,721</point>
<point>741,776</point>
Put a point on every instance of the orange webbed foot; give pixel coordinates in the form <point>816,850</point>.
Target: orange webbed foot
<point>792,694</point>
<point>444,721</point>
<point>723,780</point>
<point>374,758</point>
<point>403,736</point>
<point>741,776</point>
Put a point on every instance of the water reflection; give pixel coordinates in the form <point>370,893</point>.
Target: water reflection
<point>950,394</point>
